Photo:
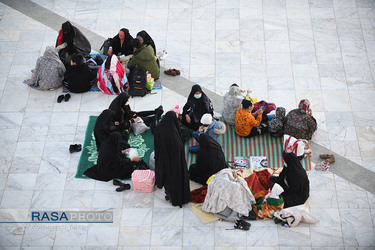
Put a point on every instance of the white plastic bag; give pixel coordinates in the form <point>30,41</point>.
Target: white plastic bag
<point>151,162</point>
<point>294,215</point>
<point>132,152</point>
<point>139,126</point>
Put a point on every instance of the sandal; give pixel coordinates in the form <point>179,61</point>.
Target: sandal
<point>330,160</point>
<point>123,187</point>
<point>170,72</point>
<point>117,183</point>
<point>325,156</point>
<point>243,225</point>
<point>60,98</point>
<point>75,148</point>
<point>323,166</point>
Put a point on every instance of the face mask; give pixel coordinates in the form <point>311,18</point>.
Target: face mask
<point>198,96</point>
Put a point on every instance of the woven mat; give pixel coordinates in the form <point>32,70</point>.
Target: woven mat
<point>263,145</point>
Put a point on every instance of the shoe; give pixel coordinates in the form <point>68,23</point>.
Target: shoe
<point>243,225</point>
<point>60,98</point>
<point>75,148</point>
<point>117,183</point>
<point>325,156</point>
<point>170,72</point>
<point>123,187</point>
<point>177,72</point>
<point>330,160</point>
<point>67,97</point>
<point>252,216</point>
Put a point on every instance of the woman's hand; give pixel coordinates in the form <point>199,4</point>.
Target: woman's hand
<point>188,120</point>
<point>135,158</point>
<point>309,112</point>
<point>117,123</point>
<point>125,151</point>
<point>201,128</point>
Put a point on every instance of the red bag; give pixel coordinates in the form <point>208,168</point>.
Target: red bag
<point>268,107</point>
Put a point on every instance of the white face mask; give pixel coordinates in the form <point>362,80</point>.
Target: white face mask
<point>197,96</point>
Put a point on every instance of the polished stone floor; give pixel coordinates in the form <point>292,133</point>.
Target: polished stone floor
<point>284,50</point>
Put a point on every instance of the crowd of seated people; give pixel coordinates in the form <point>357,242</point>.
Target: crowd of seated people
<point>65,65</point>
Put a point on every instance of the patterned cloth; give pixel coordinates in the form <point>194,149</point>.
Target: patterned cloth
<point>111,76</point>
<point>49,71</point>
<point>299,125</point>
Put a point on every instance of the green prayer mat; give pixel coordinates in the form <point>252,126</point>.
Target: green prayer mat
<point>263,145</point>
<point>144,143</point>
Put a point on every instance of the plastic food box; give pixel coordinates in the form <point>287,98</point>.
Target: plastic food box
<point>143,181</point>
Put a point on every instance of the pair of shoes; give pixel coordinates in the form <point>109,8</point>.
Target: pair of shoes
<point>241,224</point>
<point>62,97</point>
<point>323,166</point>
<point>75,148</point>
<point>172,72</point>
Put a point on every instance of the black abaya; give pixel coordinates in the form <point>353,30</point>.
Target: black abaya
<point>125,48</point>
<point>210,160</point>
<point>170,164</point>
<point>103,127</point>
<point>196,108</point>
<point>296,192</point>
<point>111,163</point>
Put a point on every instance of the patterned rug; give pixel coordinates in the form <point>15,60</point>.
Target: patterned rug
<point>264,145</point>
<point>144,144</point>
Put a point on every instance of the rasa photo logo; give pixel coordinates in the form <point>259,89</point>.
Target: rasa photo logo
<point>72,216</point>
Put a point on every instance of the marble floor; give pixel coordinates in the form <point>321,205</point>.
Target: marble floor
<point>284,50</point>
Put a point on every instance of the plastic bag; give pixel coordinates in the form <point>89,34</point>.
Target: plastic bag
<point>138,127</point>
<point>132,152</point>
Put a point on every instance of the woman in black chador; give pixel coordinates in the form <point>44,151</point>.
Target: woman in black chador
<point>170,164</point>
<point>124,114</point>
<point>296,188</point>
<point>121,43</point>
<point>112,162</point>
<point>104,126</point>
<point>145,38</point>
<point>196,106</point>
<point>210,160</point>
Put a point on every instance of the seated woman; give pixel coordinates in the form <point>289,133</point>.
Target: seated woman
<point>78,78</point>
<point>111,77</point>
<point>124,114</point>
<point>112,163</point>
<point>210,160</point>
<point>211,127</point>
<point>300,123</point>
<point>120,44</point>
<point>72,41</point>
<point>170,164</point>
<point>144,58</point>
<point>232,102</point>
<point>104,126</point>
<point>297,189</point>
<point>146,39</point>
<point>196,106</point>
<point>246,125</point>
<point>269,204</point>
<point>229,198</point>
<point>49,71</point>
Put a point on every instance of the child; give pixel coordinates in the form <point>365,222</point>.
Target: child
<point>271,203</point>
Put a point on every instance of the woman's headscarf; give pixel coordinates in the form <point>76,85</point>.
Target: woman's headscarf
<point>234,90</point>
<point>194,89</point>
<point>146,39</point>
<point>304,106</point>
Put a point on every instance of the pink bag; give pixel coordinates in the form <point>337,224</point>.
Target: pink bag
<point>268,107</point>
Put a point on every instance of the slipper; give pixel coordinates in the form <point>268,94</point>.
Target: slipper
<point>330,160</point>
<point>243,225</point>
<point>67,97</point>
<point>123,187</point>
<point>60,98</point>
<point>170,72</point>
<point>117,183</point>
<point>325,156</point>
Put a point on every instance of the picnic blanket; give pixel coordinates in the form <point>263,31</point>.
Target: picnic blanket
<point>144,143</point>
<point>263,145</point>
